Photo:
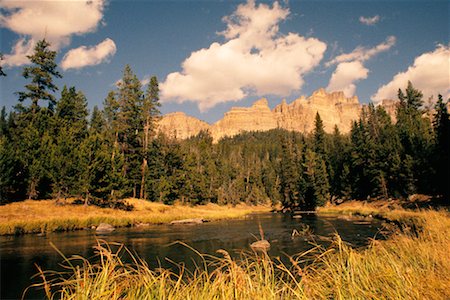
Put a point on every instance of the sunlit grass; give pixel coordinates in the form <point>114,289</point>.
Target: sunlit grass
<point>409,265</point>
<point>45,216</point>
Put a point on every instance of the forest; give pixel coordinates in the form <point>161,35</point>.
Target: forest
<point>51,146</point>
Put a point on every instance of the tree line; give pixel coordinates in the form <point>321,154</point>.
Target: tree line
<point>52,147</point>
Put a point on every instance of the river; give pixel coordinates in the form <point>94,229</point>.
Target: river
<point>19,254</point>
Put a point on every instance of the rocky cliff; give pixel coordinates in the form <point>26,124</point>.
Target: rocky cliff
<point>334,109</point>
<point>178,125</point>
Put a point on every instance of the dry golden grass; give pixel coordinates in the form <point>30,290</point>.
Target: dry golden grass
<point>42,216</point>
<point>413,265</point>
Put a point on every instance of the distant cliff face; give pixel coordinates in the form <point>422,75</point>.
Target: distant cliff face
<point>178,125</point>
<point>334,109</point>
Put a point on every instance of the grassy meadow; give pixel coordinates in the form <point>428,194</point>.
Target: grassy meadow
<point>45,216</point>
<point>411,264</point>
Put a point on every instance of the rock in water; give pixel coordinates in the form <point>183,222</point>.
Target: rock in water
<point>187,222</point>
<point>104,228</point>
<point>262,245</point>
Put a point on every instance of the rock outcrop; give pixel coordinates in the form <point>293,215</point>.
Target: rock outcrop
<point>334,109</point>
<point>178,125</point>
<point>258,117</point>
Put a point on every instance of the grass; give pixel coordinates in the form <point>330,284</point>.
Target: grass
<point>45,216</point>
<point>409,265</point>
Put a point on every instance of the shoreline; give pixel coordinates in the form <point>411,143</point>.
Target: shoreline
<point>383,269</point>
<point>44,216</point>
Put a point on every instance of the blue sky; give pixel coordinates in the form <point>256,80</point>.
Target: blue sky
<point>284,50</point>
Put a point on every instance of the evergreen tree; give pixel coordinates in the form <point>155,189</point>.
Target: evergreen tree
<point>151,115</point>
<point>97,124</point>
<point>415,135</point>
<point>319,137</point>
<point>42,73</point>
<point>130,128</point>
<point>289,175</point>
<point>441,126</point>
<point>67,158</point>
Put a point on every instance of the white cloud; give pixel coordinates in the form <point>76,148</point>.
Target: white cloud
<point>57,21</point>
<point>429,73</point>
<point>369,21</point>
<point>89,56</point>
<point>345,76</point>
<point>350,68</point>
<point>255,59</point>
<point>19,52</point>
<point>362,53</point>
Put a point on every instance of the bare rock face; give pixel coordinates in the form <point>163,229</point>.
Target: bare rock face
<point>258,117</point>
<point>334,109</point>
<point>178,125</point>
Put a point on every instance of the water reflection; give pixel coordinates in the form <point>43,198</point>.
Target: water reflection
<point>154,243</point>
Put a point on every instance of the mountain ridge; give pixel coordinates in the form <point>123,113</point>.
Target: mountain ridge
<point>334,109</point>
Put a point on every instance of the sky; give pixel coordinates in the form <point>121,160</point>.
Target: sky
<point>211,55</point>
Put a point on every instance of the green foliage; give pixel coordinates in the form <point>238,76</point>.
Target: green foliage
<point>42,72</point>
<point>441,125</point>
<point>119,153</point>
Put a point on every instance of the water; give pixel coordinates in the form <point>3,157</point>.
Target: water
<point>19,255</point>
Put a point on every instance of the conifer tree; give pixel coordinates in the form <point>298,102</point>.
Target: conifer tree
<point>151,115</point>
<point>130,128</point>
<point>319,137</point>
<point>415,135</point>
<point>289,175</point>
<point>35,125</point>
<point>42,72</point>
<point>68,160</point>
<point>441,126</point>
<point>97,123</point>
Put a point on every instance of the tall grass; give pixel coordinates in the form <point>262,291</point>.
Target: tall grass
<point>413,265</point>
<point>45,216</point>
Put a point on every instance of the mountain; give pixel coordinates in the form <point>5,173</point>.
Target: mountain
<point>334,109</point>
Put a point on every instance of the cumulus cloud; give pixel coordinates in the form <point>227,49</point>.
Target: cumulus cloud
<point>89,56</point>
<point>345,76</point>
<point>57,21</point>
<point>429,73</point>
<point>254,59</point>
<point>350,68</point>
<point>369,21</point>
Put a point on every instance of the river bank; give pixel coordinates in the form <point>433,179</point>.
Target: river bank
<point>43,216</point>
<point>409,265</point>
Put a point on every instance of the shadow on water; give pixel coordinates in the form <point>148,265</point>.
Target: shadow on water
<point>156,242</point>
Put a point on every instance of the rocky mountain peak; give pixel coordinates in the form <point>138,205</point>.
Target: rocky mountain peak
<point>334,108</point>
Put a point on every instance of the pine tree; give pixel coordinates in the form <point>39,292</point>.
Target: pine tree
<point>67,158</point>
<point>317,187</point>
<point>319,137</point>
<point>42,73</point>
<point>130,128</point>
<point>289,175</point>
<point>441,124</point>
<point>151,115</point>
<point>415,135</point>
<point>97,123</point>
